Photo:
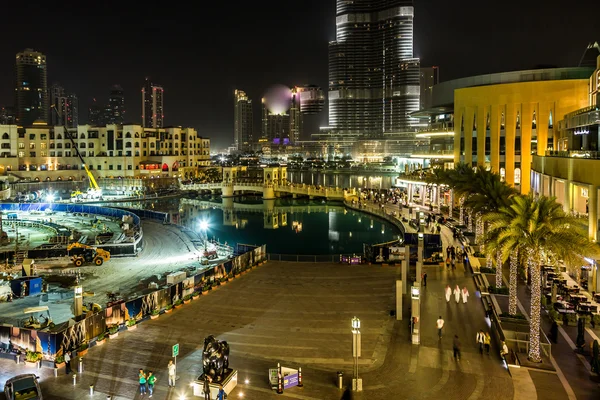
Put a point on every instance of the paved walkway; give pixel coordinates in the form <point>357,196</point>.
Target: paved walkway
<point>299,314</point>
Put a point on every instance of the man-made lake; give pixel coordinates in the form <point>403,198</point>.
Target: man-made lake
<point>286,226</point>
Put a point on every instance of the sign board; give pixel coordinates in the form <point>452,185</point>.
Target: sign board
<point>397,253</point>
<point>290,381</point>
<point>175,350</point>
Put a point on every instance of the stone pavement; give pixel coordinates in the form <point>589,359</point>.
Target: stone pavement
<point>299,314</point>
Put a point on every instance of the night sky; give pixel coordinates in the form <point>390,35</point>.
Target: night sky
<point>201,53</point>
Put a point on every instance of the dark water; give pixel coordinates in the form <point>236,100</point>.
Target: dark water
<point>344,180</point>
<point>286,226</point>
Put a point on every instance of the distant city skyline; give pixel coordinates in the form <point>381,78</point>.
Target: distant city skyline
<point>287,44</point>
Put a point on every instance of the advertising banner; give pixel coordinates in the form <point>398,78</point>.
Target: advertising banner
<point>290,381</point>
<point>397,253</point>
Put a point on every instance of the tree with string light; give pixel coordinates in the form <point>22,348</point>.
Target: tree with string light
<point>538,227</point>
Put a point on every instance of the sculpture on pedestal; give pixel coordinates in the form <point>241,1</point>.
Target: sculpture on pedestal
<point>215,358</point>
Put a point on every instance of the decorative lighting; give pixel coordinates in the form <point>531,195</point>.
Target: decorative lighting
<point>470,226</point>
<point>536,298</point>
<point>479,230</point>
<point>489,262</point>
<point>461,215</point>
<point>451,203</point>
<point>499,268</point>
<point>512,285</point>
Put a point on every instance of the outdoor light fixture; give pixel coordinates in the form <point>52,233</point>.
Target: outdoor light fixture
<point>247,381</point>
<point>204,225</point>
<point>355,323</point>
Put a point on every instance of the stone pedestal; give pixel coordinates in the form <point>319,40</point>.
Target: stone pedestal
<point>229,383</point>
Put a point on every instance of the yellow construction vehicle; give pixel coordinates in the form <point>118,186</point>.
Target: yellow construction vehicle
<point>94,192</point>
<point>84,254</point>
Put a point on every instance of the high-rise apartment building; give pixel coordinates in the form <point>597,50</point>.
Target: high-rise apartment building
<point>95,111</point>
<point>31,88</point>
<point>242,120</point>
<point>429,76</point>
<point>66,106</point>
<point>275,124</point>
<point>373,77</point>
<point>114,112</point>
<point>152,105</point>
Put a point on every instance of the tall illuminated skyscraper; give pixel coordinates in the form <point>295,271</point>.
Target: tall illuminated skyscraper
<point>373,77</point>
<point>32,88</point>
<point>242,120</point>
<point>152,105</point>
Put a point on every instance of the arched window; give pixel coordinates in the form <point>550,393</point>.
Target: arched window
<point>5,136</point>
<point>128,145</point>
<point>59,136</point>
<point>137,145</point>
<point>151,144</point>
<point>517,176</point>
<point>137,134</point>
<point>502,174</point>
<point>165,167</point>
<point>82,145</point>
<point>176,137</point>
<point>82,136</point>
<point>128,135</point>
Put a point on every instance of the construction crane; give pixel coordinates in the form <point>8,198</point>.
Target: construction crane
<point>84,254</point>
<point>94,191</point>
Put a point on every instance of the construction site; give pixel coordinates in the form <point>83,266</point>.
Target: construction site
<point>49,249</point>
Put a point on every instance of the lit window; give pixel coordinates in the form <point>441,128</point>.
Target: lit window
<point>517,176</point>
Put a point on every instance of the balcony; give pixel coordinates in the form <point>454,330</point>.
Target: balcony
<point>595,155</point>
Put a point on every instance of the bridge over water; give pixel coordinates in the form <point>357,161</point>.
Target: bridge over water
<point>274,184</point>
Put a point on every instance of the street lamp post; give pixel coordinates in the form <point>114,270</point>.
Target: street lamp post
<point>356,382</point>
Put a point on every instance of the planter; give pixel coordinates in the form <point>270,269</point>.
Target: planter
<point>31,363</point>
<point>168,310</point>
<point>132,327</point>
<point>113,335</point>
<point>177,305</point>
<point>223,283</point>
<point>100,342</point>
<point>60,365</point>
<point>187,301</point>
<point>152,316</point>
<point>81,353</point>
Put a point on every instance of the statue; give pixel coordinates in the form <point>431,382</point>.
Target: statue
<point>215,358</point>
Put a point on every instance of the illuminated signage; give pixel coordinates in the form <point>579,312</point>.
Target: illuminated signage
<point>581,132</point>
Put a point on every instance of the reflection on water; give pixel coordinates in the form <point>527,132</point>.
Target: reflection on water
<point>287,226</point>
<point>344,180</point>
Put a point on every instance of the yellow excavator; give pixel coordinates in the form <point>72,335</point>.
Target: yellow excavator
<point>84,254</point>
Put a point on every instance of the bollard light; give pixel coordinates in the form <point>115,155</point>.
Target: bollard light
<point>80,367</point>
<point>74,379</point>
<point>55,372</point>
<point>91,390</point>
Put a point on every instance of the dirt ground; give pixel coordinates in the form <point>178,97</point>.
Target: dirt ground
<point>166,249</point>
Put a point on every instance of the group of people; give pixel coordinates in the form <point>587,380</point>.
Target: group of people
<point>482,339</point>
<point>147,380</point>
<point>458,293</point>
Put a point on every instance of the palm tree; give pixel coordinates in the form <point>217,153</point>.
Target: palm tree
<point>538,227</point>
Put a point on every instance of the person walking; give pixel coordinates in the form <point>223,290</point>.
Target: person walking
<point>465,295</point>
<point>453,262</point>
<point>221,395</point>
<point>456,347</point>
<point>486,341</point>
<point>172,373</point>
<point>448,293</point>
<point>440,325</point>
<point>68,363</point>
<point>504,352</point>
<point>456,294</point>
<point>142,380</point>
<point>480,340</point>
<point>206,387</point>
<point>151,382</point>
<point>424,279</point>
<point>447,262</point>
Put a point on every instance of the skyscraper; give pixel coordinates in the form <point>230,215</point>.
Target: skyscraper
<point>114,112</point>
<point>373,77</point>
<point>31,88</point>
<point>242,120</point>
<point>95,117</point>
<point>152,105</point>
<point>72,111</point>
<point>66,106</point>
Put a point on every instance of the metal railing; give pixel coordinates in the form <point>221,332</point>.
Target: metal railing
<point>574,154</point>
<point>317,258</point>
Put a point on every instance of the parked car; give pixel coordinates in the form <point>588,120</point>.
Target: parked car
<point>23,387</point>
